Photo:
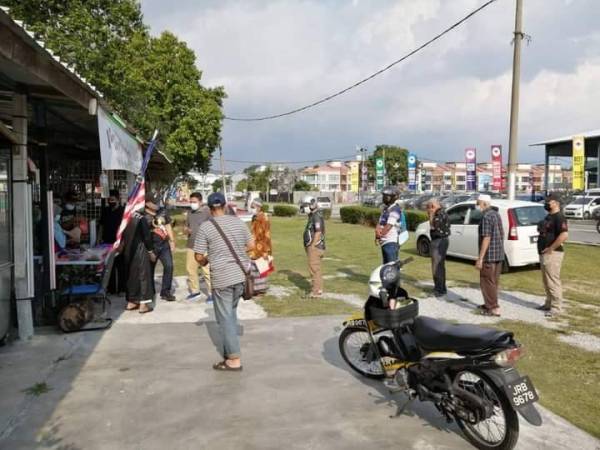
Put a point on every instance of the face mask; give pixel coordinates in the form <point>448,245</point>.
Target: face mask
<point>547,206</point>
<point>253,210</point>
<point>478,208</point>
<point>113,204</point>
<point>69,207</point>
<point>195,206</point>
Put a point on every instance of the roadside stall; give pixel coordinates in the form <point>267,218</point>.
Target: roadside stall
<point>62,150</point>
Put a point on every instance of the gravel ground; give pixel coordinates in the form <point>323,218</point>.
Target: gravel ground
<point>461,303</point>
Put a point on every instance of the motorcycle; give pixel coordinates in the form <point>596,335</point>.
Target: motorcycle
<point>465,370</point>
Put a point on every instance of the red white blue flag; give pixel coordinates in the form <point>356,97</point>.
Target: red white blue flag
<point>137,196</point>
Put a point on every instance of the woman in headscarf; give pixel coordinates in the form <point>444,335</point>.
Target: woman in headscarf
<point>137,249</point>
<point>262,250</point>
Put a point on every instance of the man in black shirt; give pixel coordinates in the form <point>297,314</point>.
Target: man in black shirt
<point>110,221</point>
<point>111,218</point>
<point>314,243</point>
<point>554,231</point>
<point>439,231</point>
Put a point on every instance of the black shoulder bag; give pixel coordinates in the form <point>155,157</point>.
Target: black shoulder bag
<point>249,284</point>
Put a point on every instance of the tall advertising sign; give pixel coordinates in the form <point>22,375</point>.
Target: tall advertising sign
<point>412,172</point>
<point>354,176</point>
<point>471,166</point>
<point>379,173</point>
<point>578,163</point>
<point>497,167</point>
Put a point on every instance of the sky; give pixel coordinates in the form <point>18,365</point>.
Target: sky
<point>274,56</point>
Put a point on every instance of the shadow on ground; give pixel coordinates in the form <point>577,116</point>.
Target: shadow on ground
<point>424,410</point>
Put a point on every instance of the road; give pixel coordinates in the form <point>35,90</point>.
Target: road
<point>583,231</point>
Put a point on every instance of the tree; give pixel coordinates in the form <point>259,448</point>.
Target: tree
<point>153,82</point>
<point>218,184</point>
<point>302,185</point>
<point>259,180</point>
<point>396,163</point>
<point>242,186</point>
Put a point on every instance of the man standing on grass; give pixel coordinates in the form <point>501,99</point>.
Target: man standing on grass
<point>314,244</point>
<point>439,231</point>
<point>491,255</point>
<point>554,231</point>
<point>223,242</point>
<point>197,216</point>
<point>391,223</point>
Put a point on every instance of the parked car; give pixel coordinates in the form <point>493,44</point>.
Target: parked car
<point>452,199</point>
<point>324,202</point>
<point>581,207</point>
<point>520,221</point>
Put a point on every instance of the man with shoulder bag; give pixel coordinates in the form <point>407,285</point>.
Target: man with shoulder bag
<point>222,242</point>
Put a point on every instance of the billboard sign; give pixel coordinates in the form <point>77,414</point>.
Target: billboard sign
<point>379,173</point>
<point>497,167</point>
<point>578,163</point>
<point>412,172</point>
<point>471,166</point>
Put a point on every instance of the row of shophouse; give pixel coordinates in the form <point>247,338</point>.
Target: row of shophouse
<point>337,176</point>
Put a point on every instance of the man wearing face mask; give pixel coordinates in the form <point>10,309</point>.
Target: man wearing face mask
<point>314,243</point>
<point>111,218</point>
<point>554,231</point>
<point>199,214</point>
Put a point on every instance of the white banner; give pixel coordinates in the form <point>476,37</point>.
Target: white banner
<point>118,149</point>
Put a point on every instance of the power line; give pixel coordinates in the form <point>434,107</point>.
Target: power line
<point>335,158</point>
<point>370,77</point>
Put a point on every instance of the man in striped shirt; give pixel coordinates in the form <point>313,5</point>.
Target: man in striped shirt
<point>227,277</point>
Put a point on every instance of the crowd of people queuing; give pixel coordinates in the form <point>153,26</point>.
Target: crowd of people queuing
<point>228,255</point>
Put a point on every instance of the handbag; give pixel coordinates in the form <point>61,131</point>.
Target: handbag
<point>249,284</point>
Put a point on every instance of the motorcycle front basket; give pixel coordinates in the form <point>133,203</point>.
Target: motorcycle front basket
<point>391,319</point>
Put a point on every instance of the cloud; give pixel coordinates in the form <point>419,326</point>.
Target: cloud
<point>275,56</point>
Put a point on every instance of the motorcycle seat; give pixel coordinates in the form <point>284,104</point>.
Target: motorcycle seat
<point>433,334</point>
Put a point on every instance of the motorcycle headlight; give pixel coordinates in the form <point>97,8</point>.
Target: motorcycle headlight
<point>389,275</point>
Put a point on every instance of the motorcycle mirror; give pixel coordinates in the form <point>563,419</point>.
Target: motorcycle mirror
<point>403,237</point>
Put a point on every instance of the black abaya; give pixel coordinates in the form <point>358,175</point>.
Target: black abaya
<point>137,243</point>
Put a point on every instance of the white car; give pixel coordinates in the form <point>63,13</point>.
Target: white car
<point>323,202</point>
<point>520,221</point>
<point>582,207</point>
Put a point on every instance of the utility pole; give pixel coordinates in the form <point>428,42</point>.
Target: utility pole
<point>223,190</point>
<point>514,104</point>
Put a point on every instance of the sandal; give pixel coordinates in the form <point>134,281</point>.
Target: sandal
<point>223,367</point>
<point>482,307</point>
<point>487,312</point>
<point>132,309</point>
<point>146,310</point>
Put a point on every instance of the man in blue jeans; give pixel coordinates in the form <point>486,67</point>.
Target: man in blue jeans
<point>226,275</point>
<point>391,223</point>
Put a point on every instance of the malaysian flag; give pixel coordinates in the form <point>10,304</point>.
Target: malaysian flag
<point>137,196</point>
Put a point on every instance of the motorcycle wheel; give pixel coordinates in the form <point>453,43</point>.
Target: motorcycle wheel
<point>355,345</point>
<point>501,430</point>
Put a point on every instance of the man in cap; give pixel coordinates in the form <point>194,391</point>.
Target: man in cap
<point>314,244</point>
<point>223,242</point>
<point>554,231</point>
<point>391,223</point>
<point>491,255</point>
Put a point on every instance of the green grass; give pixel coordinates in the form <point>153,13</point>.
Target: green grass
<point>37,389</point>
<point>566,377</point>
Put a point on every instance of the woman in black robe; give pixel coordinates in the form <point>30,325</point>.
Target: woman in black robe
<point>138,254</point>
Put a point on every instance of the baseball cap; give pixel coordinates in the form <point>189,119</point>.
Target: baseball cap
<point>553,196</point>
<point>216,199</point>
<point>484,198</point>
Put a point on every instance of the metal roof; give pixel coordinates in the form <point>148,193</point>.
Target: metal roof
<point>586,134</point>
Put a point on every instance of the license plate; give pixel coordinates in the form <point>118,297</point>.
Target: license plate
<point>521,392</point>
<point>534,239</point>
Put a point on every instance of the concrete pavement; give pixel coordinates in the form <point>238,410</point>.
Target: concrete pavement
<point>151,386</point>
